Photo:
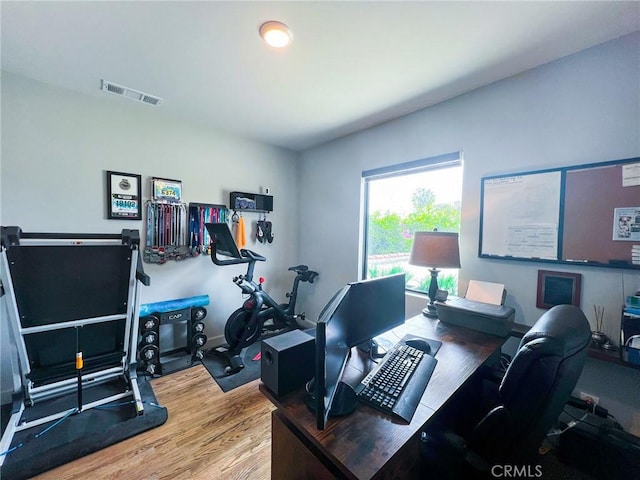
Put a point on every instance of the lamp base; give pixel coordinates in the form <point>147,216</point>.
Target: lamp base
<point>430,311</point>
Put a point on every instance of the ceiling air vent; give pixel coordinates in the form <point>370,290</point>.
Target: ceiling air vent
<point>130,93</point>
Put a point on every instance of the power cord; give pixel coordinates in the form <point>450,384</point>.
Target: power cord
<point>589,406</point>
<point>570,425</point>
<point>615,422</point>
<point>72,412</point>
<point>505,361</point>
<point>373,358</point>
<point>38,435</point>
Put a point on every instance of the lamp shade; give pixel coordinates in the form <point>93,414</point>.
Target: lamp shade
<point>435,249</point>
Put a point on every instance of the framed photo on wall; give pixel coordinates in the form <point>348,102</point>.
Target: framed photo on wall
<point>166,190</point>
<point>124,200</point>
<point>558,288</point>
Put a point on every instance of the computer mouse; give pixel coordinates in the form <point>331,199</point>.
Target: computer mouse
<point>419,344</point>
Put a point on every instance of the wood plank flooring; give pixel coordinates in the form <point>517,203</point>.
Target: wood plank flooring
<point>209,435</point>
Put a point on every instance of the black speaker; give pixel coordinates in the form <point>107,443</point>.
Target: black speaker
<point>287,361</point>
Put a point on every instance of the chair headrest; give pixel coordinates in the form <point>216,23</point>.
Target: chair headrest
<point>565,327</point>
<point>560,334</point>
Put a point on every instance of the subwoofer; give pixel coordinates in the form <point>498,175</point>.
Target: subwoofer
<point>287,361</point>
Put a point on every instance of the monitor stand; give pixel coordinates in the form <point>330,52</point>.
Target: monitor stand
<point>372,348</point>
<point>344,400</point>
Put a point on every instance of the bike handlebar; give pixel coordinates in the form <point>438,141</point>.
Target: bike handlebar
<point>248,256</point>
<point>309,276</point>
<point>252,255</point>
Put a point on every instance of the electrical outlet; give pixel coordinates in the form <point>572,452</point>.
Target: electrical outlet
<point>587,397</point>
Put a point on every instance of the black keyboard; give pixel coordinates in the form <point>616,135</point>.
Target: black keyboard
<point>395,386</point>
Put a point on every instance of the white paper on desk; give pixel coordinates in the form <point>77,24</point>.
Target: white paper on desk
<point>485,292</point>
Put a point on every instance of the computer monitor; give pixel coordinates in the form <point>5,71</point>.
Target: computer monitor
<point>357,313</point>
<point>375,306</point>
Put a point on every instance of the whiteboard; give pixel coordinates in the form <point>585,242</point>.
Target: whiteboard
<point>520,215</point>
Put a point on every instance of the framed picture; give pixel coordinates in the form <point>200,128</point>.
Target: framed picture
<point>166,190</point>
<point>558,288</point>
<point>124,200</point>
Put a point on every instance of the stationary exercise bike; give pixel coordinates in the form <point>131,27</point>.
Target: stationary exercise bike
<point>259,314</point>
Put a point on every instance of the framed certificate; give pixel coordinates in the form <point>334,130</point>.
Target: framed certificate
<point>124,196</point>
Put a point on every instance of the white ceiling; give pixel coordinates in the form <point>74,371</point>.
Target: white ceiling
<point>351,65</point>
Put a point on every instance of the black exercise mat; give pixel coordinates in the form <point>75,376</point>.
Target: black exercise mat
<point>215,364</point>
<point>79,435</point>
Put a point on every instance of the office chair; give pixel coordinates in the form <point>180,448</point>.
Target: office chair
<point>531,396</point>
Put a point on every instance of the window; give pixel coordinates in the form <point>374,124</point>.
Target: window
<point>422,195</point>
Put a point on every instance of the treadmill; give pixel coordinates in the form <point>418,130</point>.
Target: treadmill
<point>72,303</point>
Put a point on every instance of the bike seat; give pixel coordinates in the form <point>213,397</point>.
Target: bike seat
<point>299,268</point>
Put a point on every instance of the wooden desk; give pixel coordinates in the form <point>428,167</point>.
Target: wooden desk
<point>368,444</point>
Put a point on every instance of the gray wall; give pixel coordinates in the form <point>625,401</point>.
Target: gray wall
<point>584,108</point>
<point>581,109</point>
<point>57,144</point>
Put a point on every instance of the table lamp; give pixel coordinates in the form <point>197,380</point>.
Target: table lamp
<point>434,250</point>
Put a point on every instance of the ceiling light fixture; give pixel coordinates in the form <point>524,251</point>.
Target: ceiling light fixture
<point>276,34</point>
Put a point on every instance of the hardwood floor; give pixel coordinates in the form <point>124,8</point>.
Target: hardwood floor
<point>209,435</point>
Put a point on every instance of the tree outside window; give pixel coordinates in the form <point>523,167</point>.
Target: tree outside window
<point>402,203</point>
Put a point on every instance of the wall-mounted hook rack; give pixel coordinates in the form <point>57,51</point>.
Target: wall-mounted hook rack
<point>250,202</point>
<point>199,214</point>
